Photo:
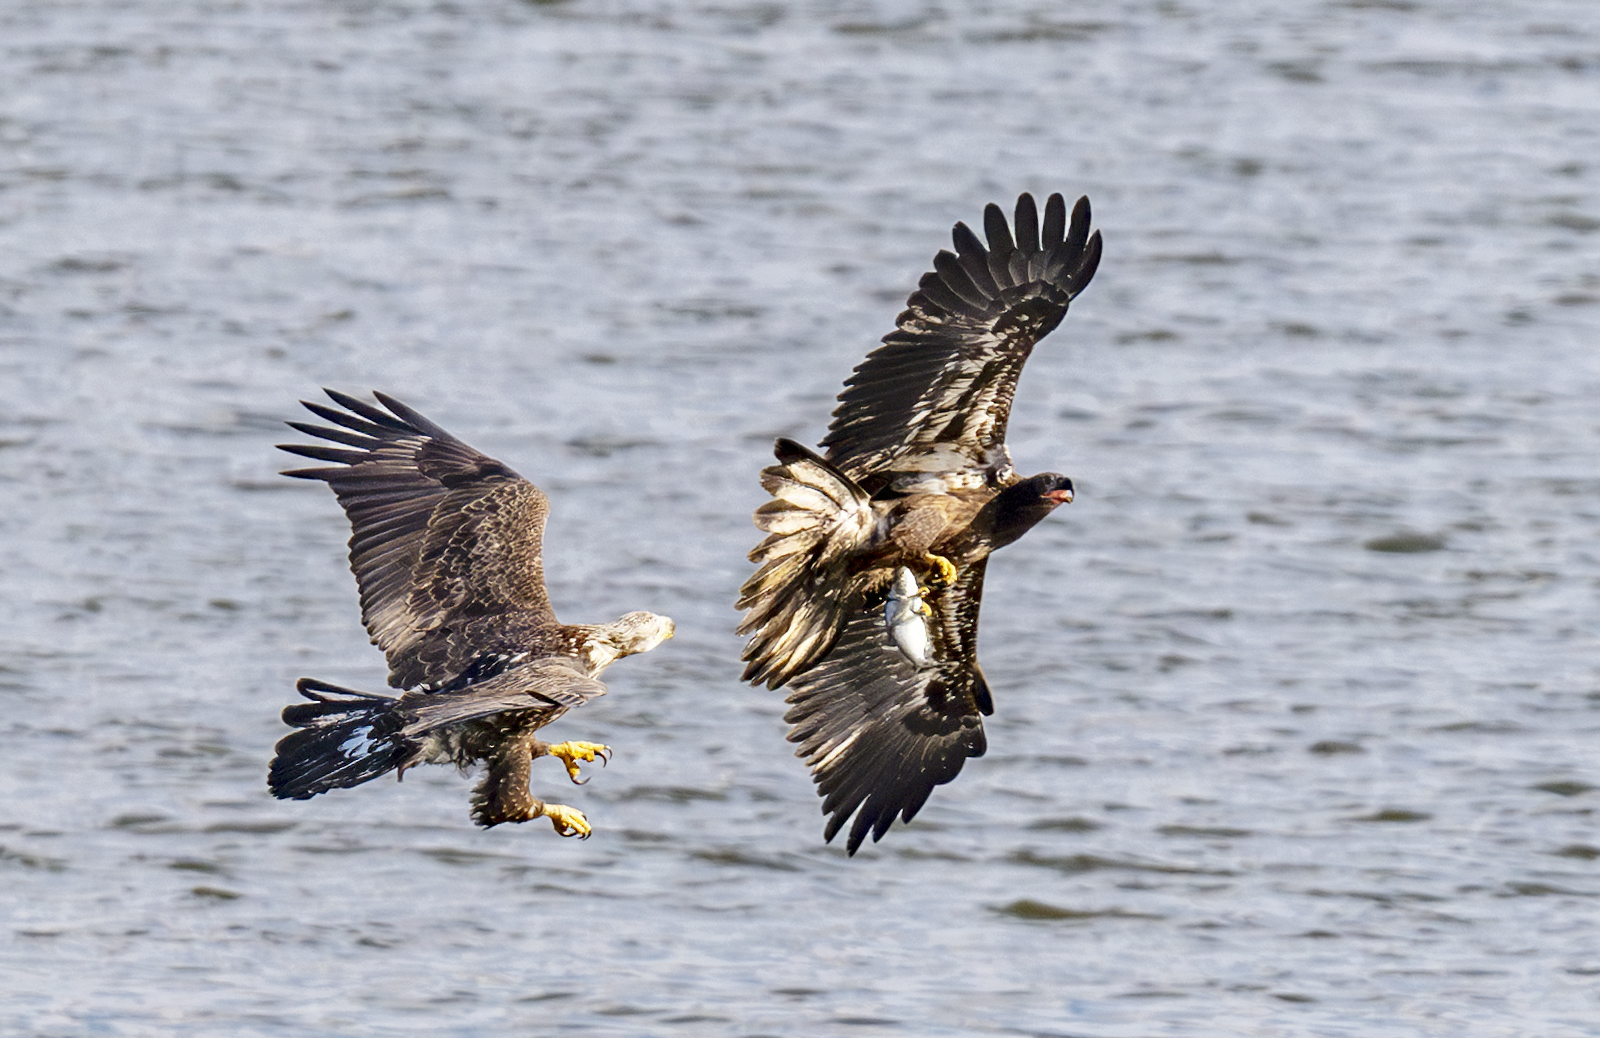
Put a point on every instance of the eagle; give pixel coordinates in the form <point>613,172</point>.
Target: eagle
<point>865,599</point>
<point>446,546</point>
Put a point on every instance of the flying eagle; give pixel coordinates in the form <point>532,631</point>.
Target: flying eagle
<point>866,600</point>
<point>446,549</point>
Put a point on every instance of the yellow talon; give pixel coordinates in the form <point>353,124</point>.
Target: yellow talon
<point>571,753</point>
<point>946,574</point>
<point>569,821</point>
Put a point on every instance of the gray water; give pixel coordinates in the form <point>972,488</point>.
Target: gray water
<point>1298,703</point>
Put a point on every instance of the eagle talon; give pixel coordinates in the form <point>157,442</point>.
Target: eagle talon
<point>945,571</point>
<point>569,821</point>
<point>570,753</point>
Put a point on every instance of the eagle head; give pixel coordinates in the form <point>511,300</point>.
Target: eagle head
<point>1018,508</point>
<point>625,636</point>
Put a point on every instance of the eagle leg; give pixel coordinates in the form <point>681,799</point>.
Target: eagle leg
<point>570,753</point>
<point>503,795</point>
<point>569,821</point>
<point>945,574</point>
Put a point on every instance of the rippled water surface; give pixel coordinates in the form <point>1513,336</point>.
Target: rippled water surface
<point>1298,703</point>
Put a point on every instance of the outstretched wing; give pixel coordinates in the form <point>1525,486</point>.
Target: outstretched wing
<point>935,397</point>
<point>551,686</point>
<point>439,532</point>
<point>879,731</point>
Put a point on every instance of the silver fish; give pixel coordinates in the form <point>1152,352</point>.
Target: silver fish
<point>905,615</point>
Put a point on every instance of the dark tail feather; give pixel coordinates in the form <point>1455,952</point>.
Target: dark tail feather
<point>345,738</point>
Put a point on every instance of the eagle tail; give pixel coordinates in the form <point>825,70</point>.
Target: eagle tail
<point>343,738</point>
<point>796,602</point>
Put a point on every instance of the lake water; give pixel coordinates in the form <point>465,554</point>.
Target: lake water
<point>1299,703</point>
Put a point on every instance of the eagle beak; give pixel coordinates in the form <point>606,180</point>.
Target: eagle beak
<point>1059,497</point>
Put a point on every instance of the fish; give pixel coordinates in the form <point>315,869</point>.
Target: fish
<point>905,614</point>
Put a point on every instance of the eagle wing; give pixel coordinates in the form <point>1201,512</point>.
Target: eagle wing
<point>551,686</point>
<point>797,601</point>
<point>880,731</point>
<point>935,397</point>
<point>439,531</point>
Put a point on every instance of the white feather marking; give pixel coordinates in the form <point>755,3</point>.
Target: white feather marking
<point>838,750</point>
<point>787,521</point>
<point>939,457</point>
<point>806,498</point>
<point>812,474</point>
<point>359,744</point>
<point>782,545</point>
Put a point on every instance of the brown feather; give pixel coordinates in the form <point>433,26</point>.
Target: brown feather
<point>502,794</point>
<point>440,535</point>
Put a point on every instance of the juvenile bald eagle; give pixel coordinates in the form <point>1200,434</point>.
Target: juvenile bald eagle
<point>866,600</point>
<point>446,549</point>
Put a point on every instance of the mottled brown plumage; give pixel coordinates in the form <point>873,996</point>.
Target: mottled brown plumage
<point>446,545</point>
<point>887,693</point>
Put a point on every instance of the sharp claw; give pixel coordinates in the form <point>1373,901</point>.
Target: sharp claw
<point>570,753</point>
<point>944,573</point>
<point>567,821</point>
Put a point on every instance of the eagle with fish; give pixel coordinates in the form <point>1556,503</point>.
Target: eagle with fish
<point>865,602</point>
<point>447,550</point>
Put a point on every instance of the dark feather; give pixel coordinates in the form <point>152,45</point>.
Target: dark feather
<point>320,453</point>
<point>1055,221</point>
<point>948,373</point>
<point>547,687</point>
<point>342,738</point>
<point>440,533</point>
<point>502,794</point>
<point>879,732</point>
<point>354,439</point>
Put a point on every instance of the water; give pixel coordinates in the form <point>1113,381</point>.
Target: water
<point>1251,772</point>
